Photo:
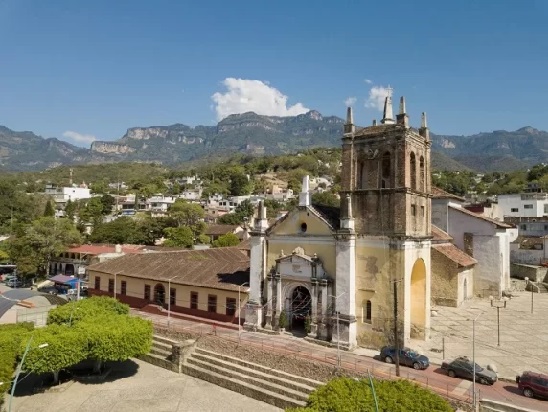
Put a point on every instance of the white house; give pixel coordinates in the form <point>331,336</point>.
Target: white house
<point>61,195</point>
<point>522,205</point>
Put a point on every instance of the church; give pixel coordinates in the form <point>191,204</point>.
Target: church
<point>354,272</point>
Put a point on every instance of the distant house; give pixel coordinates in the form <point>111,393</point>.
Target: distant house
<point>61,195</point>
<point>201,283</point>
<point>216,231</point>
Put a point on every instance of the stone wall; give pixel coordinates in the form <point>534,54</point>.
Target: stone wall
<point>533,272</point>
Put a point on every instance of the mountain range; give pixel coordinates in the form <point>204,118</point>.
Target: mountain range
<point>254,134</point>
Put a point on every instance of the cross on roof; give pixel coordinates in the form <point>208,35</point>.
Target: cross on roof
<point>389,90</point>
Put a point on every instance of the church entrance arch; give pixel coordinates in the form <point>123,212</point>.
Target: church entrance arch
<point>418,299</point>
<point>299,307</point>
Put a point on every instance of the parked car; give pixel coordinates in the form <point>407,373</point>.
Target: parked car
<point>463,367</point>
<point>407,356</point>
<point>14,283</point>
<point>9,278</point>
<point>533,384</point>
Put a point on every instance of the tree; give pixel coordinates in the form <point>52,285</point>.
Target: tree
<point>230,239</point>
<point>37,244</point>
<point>179,237</point>
<point>123,230</point>
<point>76,311</point>
<point>152,228</point>
<point>70,209</point>
<point>350,395</point>
<point>107,201</point>
<point>203,239</point>
<point>65,347</point>
<point>188,214</point>
<point>240,184</point>
<point>11,336</point>
<point>326,199</point>
<point>49,211</point>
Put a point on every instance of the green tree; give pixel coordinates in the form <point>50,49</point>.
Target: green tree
<point>107,201</point>
<point>123,230</point>
<point>203,239</point>
<point>152,228</point>
<point>188,214</point>
<point>350,395</point>
<point>37,244</point>
<point>230,239</point>
<point>179,237</point>
<point>65,347</point>
<point>230,219</point>
<point>326,198</point>
<point>70,209</point>
<point>73,312</point>
<point>240,184</point>
<point>49,210</point>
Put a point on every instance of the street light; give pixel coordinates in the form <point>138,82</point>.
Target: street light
<point>474,359</point>
<point>240,310</point>
<point>20,367</point>
<point>338,340</point>
<point>169,299</point>
<point>498,304</point>
<point>532,292</point>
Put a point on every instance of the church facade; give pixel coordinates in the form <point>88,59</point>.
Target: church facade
<point>348,274</point>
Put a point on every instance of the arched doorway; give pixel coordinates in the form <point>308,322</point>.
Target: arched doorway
<point>69,269</point>
<point>418,299</point>
<point>159,294</point>
<point>300,308</point>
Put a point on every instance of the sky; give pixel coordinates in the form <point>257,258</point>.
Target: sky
<point>88,70</point>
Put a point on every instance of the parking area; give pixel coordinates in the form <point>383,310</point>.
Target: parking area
<point>523,336</point>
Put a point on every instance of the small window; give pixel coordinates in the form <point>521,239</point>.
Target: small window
<point>523,227</point>
<point>172,296</point>
<point>304,227</point>
<point>147,292</point>
<point>413,210</point>
<point>422,211</point>
<point>193,300</point>
<point>212,303</point>
<point>123,287</point>
<point>111,285</point>
<point>97,282</point>
<point>367,312</point>
<point>527,206</point>
<point>514,210</point>
<point>230,306</point>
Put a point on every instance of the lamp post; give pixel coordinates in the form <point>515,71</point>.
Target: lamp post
<point>239,311</point>
<point>338,340</point>
<point>532,293</point>
<point>474,401</point>
<point>498,304</point>
<point>169,299</point>
<point>20,367</point>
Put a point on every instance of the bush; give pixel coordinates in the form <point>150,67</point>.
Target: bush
<point>10,339</point>
<point>351,395</point>
<point>282,322</point>
<point>74,312</point>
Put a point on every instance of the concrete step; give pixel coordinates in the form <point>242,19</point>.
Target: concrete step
<point>160,352</point>
<point>163,339</point>
<point>271,379</point>
<point>269,371</point>
<point>160,361</point>
<point>229,373</point>
<point>245,388</point>
<point>161,345</point>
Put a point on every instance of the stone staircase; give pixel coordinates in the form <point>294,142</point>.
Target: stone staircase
<point>538,287</point>
<point>250,379</point>
<point>161,353</point>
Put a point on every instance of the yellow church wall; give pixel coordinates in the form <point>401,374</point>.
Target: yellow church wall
<point>293,224</point>
<point>325,249</point>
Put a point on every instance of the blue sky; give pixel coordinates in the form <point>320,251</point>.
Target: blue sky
<point>91,69</point>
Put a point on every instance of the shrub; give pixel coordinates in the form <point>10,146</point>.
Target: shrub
<point>307,324</point>
<point>76,311</point>
<point>282,322</point>
<point>352,395</point>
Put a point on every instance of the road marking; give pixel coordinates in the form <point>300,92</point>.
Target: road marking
<point>462,388</point>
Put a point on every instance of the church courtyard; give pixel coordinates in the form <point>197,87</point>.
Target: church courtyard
<point>523,335</point>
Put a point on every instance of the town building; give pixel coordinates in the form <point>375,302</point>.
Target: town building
<point>528,204</point>
<point>61,195</point>
<point>343,268</point>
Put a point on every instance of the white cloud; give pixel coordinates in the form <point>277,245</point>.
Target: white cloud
<point>244,95</point>
<point>368,81</point>
<point>377,94</point>
<point>79,137</point>
<point>349,101</point>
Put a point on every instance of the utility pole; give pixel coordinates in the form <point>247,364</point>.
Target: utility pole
<point>396,337</point>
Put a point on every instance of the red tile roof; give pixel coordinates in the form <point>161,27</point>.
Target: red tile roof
<point>438,193</point>
<point>220,229</point>
<point>455,254</point>
<point>218,268</point>
<point>440,235</point>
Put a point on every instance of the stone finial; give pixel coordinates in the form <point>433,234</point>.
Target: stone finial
<point>349,116</point>
<point>262,210</point>
<point>282,254</point>
<point>304,196</point>
<point>424,123</point>
<point>402,105</point>
<point>388,114</point>
<point>423,131</point>
<point>402,117</point>
<point>349,206</point>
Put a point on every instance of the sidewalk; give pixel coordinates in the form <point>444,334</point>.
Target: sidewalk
<point>523,336</point>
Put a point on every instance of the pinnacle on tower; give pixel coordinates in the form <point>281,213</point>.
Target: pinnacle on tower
<point>349,125</point>
<point>402,118</point>
<point>423,131</point>
<point>424,124</point>
<point>388,114</point>
<point>304,196</point>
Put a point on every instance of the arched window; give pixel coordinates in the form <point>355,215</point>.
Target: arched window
<point>422,176</point>
<point>386,171</point>
<point>366,312</point>
<point>413,170</point>
<point>159,294</point>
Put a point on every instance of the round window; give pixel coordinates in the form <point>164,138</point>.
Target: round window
<point>303,227</point>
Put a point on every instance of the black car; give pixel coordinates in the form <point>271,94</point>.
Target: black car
<point>408,357</point>
<point>463,367</point>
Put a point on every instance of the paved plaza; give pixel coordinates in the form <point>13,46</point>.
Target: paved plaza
<point>148,389</point>
<point>523,335</point>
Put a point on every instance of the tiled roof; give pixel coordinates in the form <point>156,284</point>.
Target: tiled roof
<point>455,254</point>
<point>218,268</point>
<point>220,229</point>
<point>530,240</point>
<point>244,245</point>
<point>498,223</point>
<point>440,235</point>
<point>438,193</point>
<point>98,249</point>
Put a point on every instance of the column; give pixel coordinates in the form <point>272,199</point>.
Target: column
<point>279,300</point>
<point>314,321</point>
<point>269,296</point>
